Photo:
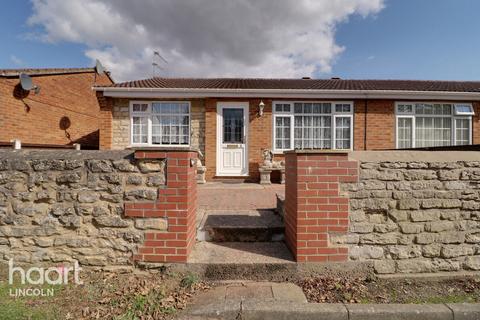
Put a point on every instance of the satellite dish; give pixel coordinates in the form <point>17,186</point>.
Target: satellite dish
<point>99,67</point>
<point>27,83</point>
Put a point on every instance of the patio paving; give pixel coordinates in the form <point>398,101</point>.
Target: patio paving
<point>238,196</point>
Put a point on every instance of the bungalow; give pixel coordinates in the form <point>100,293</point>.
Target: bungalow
<point>231,121</point>
<point>62,111</point>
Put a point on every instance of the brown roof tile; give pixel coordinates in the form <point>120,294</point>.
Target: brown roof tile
<point>302,84</point>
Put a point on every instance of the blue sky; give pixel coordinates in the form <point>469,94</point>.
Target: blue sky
<point>408,39</point>
<point>413,39</point>
<point>14,36</point>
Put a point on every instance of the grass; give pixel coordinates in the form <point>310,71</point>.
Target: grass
<point>16,308</point>
<point>189,280</point>
<point>140,304</point>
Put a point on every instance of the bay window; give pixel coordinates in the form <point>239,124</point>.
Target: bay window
<point>312,125</point>
<point>160,123</point>
<point>421,125</point>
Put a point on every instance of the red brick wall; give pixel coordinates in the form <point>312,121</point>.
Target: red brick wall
<point>259,135</point>
<point>177,202</point>
<point>210,138</point>
<point>381,124</point>
<point>105,121</point>
<point>314,206</point>
<point>36,118</point>
<point>476,123</point>
<point>380,133</point>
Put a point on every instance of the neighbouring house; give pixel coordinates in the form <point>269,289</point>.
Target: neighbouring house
<point>231,121</point>
<point>64,111</point>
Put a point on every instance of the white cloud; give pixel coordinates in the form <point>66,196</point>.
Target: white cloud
<point>16,60</point>
<point>262,38</point>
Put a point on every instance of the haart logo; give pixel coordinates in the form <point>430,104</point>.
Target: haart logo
<point>58,275</point>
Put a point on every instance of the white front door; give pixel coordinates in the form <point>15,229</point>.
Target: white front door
<point>232,133</point>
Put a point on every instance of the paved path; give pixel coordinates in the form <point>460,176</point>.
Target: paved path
<point>225,302</point>
<point>238,196</point>
<point>286,301</point>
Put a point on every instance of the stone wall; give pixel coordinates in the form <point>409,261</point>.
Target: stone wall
<point>121,124</point>
<point>415,212</point>
<point>61,205</point>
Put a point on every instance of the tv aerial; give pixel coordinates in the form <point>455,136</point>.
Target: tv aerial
<point>27,83</point>
<point>156,64</point>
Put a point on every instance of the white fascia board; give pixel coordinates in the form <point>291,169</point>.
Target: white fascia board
<point>285,93</point>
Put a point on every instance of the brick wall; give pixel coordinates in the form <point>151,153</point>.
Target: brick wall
<point>476,123</point>
<point>106,122</point>
<point>177,202</point>
<point>210,138</point>
<point>259,135</point>
<point>315,209</point>
<point>380,135</point>
<point>380,123</point>
<point>36,118</point>
<point>398,211</point>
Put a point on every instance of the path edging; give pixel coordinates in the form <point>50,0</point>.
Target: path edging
<point>251,309</point>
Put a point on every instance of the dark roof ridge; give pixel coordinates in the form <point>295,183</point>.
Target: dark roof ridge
<point>43,71</point>
<point>311,79</point>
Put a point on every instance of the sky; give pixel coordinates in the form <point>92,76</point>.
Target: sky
<point>357,39</point>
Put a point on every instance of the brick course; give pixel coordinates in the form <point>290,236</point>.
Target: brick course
<point>177,202</point>
<point>314,207</point>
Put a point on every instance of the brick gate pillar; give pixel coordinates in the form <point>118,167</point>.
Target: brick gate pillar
<point>177,203</point>
<point>314,206</point>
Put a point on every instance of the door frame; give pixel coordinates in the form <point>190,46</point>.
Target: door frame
<point>240,105</point>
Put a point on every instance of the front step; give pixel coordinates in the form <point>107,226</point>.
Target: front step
<point>240,226</point>
<point>242,260</point>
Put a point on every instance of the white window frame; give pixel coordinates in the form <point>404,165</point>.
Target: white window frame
<point>453,115</point>
<point>461,113</point>
<point>148,114</point>
<point>291,115</point>
<point>470,129</point>
<point>403,116</point>
<point>292,131</point>
<point>334,129</point>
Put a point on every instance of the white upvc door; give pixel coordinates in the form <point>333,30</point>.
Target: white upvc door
<point>232,133</point>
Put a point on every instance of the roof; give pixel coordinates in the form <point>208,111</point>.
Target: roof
<point>301,84</point>
<point>45,71</point>
<point>13,73</point>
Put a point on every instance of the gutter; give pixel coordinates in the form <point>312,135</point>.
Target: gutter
<point>120,92</point>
